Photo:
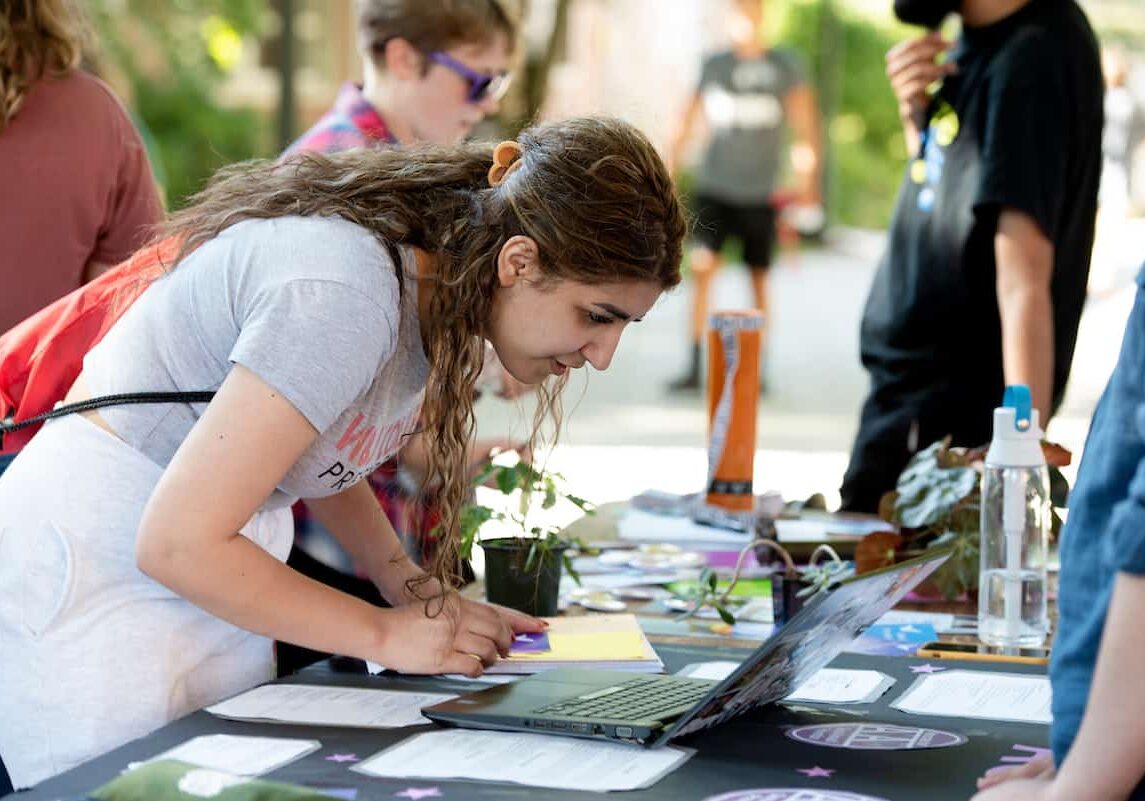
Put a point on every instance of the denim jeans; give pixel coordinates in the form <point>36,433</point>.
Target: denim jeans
<point>5,460</point>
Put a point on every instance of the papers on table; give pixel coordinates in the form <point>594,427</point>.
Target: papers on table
<point>329,706</point>
<point>243,756</point>
<point>828,686</point>
<point>598,641</point>
<point>534,759</point>
<point>835,686</point>
<point>638,526</point>
<point>979,694</point>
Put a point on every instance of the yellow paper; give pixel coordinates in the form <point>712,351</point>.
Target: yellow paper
<point>590,647</point>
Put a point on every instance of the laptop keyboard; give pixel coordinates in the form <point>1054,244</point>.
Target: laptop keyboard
<point>639,699</point>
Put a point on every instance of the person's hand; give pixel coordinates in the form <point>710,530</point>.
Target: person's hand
<point>519,622</point>
<point>1019,790</point>
<point>912,66</point>
<point>1039,768</point>
<point>449,635</point>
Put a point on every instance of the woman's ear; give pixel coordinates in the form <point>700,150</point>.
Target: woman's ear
<point>519,260</point>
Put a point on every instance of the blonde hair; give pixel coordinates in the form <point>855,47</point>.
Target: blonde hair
<point>592,194</point>
<point>37,38</point>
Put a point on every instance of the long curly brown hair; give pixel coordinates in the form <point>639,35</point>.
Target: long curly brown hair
<point>37,38</point>
<point>592,194</point>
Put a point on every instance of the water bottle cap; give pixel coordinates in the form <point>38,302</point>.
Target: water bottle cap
<point>1017,436</point>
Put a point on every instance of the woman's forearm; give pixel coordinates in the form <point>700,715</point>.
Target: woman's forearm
<point>248,587</point>
<point>358,522</point>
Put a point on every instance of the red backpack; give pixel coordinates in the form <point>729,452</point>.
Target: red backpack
<point>42,356</point>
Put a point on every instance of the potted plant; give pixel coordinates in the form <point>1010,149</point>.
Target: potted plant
<point>936,502</point>
<point>522,567</point>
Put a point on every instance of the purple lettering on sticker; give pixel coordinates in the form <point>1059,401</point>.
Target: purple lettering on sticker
<point>530,643</point>
<point>791,794</point>
<point>874,737</point>
<point>1030,753</point>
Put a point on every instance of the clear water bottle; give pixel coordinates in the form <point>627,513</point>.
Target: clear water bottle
<point>1015,529</point>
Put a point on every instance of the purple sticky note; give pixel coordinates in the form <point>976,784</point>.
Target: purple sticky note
<point>530,643</point>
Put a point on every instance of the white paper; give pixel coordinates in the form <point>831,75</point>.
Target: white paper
<point>538,760</point>
<point>718,670</point>
<point>329,706</point>
<point>639,526</point>
<point>242,756</point>
<point>835,686</point>
<point>979,694</point>
<point>828,686</point>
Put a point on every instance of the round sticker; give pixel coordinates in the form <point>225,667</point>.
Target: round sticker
<point>918,171</point>
<point>874,737</point>
<point>791,794</point>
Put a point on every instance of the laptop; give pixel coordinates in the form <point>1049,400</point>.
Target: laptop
<point>652,710</point>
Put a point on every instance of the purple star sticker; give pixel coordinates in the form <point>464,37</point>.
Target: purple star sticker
<point>816,772</point>
<point>927,668</point>
<point>419,792</point>
<point>342,758</point>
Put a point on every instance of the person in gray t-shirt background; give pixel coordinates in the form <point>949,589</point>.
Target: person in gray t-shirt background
<point>747,96</point>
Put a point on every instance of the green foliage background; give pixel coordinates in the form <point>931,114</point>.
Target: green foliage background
<point>844,46</point>
<point>172,56</point>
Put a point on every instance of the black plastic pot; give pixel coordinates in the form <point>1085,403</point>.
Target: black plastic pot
<point>785,599</point>
<point>533,590</point>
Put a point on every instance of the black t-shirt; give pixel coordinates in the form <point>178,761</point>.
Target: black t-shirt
<point>1017,126</point>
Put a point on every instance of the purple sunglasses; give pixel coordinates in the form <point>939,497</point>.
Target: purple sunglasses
<point>481,86</point>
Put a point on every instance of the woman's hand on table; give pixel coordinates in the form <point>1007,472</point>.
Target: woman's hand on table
<point>450,635</point>
<point>1032,781</point>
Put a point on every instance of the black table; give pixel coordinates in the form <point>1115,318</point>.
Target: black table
<point>750,752</point>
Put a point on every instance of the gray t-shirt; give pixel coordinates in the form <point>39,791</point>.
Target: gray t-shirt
<point>310,305</point>
<point>743,105</point>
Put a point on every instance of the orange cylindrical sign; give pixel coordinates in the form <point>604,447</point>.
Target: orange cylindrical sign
<point>734,341</point>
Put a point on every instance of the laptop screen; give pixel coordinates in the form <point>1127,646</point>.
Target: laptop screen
<point>826,625</point>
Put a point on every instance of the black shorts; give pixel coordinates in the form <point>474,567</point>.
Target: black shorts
<point>753,224</point>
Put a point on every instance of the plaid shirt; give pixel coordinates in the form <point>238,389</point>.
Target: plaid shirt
<point>352,122</point>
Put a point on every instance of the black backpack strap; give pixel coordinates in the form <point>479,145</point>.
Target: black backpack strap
<point>8,426</point>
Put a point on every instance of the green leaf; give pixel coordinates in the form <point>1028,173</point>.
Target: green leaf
<point>507,480</point>
<point>932,486</point>
<point>725,615</point>
<point>568,563</point>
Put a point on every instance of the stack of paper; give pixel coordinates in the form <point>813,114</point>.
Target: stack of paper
<point>597,641</point>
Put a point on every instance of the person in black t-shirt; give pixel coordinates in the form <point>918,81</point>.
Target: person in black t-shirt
<point>984,276</point>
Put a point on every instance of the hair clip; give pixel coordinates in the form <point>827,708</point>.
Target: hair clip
<point>506,158</point>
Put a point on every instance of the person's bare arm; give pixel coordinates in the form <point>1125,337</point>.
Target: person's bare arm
<point>229,464</point>
<point>1101,767</point>
<point>682,134</point>
<point>1025,264</point>
<point>360,525</point>
<point>806,149</point>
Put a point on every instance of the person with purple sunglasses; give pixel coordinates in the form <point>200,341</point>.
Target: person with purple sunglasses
<point>431,71</point>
